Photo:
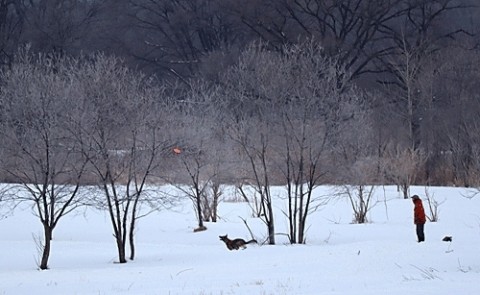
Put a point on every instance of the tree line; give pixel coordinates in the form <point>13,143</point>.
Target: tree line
<point>417,58</point>
<point>123,94</point>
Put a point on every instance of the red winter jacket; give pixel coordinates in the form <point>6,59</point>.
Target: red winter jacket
<point>418,212</point>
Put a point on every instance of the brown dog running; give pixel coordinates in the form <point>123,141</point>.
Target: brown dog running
<point>235,244</point>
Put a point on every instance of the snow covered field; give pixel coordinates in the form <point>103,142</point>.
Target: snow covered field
<point>381,257</point>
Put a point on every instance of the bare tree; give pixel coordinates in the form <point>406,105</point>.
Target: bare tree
<point>251,118</point>
<point>406,71</point>
<point>204,152</point>
<point>202,186</point>
<point>288,109</point>
<point>39,98</point>
<point>255,146</point>
<point>123,140</point>
<point>61,26</point>
<point>363,34</point>
<point>179,35</point>
<point>11,23</point>
<point>196,165</point>
<point>457,93</point>
<point>402,166</point>
<point>314,105</point>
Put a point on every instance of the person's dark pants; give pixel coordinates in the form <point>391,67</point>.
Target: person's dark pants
<point>420,233</point>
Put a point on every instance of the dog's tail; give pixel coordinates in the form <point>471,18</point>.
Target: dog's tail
<point>251,241</point>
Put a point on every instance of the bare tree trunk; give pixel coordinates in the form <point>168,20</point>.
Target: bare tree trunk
<point>131,234</point>
<point>216,196</point>
<point>270,224</point>
<point>43,150</point>
<point>46,247</point>
<point>267,201</point>
<point>199,208</point>
<point>121,250</point>
<point>131,240</point>
<point>405,189</point>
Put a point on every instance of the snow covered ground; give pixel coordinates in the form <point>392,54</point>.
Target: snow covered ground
<point>381,257</point>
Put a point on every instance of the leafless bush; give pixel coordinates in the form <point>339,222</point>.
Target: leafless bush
<point>361,200</point>
<point>433,206</point>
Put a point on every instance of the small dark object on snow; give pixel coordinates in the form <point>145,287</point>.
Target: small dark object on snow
<point>447,239</point>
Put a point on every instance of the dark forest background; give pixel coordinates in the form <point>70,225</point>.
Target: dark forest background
<point>371,91</point>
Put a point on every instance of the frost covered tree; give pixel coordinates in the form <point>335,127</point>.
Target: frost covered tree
<point>249,125</point>
<point>358,166</point>
<point>39,99</point>
<point>122,136</point>
<point>204,154</point>
<point>287,109</point>
<point>314,102</point>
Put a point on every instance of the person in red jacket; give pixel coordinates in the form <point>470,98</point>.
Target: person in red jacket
<point>419,217</point>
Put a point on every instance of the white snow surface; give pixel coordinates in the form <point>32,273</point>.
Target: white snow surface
<point>339,257</point>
